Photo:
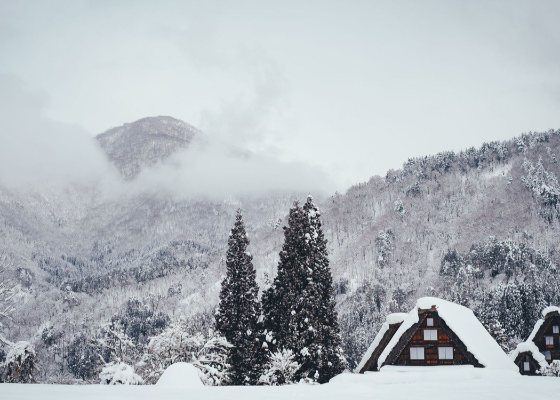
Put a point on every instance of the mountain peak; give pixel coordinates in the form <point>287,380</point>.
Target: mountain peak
<point>145,142</point>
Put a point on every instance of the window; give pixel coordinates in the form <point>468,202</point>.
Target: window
<point>445,353</point>
<point>416,353</point>
<point>547,355</point>
<point>430,322</point>
<point>526,366</point>
<point>549,340</point>
<point>556,329</point>
<point>430,334</point>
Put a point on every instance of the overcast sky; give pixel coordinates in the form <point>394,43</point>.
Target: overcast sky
<point>354,88</point>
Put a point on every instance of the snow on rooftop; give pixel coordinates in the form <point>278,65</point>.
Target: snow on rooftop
<point>550,309</point>
<point>465,325</point>
<point>396,318</point>
<point>532,348</point>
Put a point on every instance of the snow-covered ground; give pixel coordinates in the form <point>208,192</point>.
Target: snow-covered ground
<point>457,383</point>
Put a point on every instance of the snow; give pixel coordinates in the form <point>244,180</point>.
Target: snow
<point>531,347</point>
<point>465,325</point>
<point>430,383</point>
<point>549,310</point>
<point>391,319</point>
<point>119,374</point>
<point>396,318</point>
<point>180,375</point>
<point>19,350</point>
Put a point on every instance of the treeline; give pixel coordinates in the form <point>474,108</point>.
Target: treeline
<point>293,336</point>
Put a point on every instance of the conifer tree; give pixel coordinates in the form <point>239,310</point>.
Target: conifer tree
<point>239,311</point>
<point>299,306</point>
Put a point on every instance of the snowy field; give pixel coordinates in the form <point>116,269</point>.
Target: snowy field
<point>458,383</point>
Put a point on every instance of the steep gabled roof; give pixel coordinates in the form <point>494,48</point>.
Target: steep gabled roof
<point>549,310</point>
<point>465,326</point>
<point>381,339</point>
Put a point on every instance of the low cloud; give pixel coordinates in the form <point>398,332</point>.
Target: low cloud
<point>216,170</point>
<point>35,150</point>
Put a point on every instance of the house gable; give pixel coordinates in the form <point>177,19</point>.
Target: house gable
<point>524,360</point>
<point>442,347</point>
<point>547,337</point>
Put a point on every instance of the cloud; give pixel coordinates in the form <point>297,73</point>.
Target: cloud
<point>37,150</point>
<point>210,168</point>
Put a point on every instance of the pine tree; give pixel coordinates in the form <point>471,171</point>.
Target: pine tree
<point>299,306</point>
<point>239,311</point>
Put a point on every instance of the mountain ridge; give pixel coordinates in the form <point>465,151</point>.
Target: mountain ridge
<point>145,142</point>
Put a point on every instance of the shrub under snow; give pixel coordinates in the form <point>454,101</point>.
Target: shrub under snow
<point>20,363</point>
<point>119,373</point>
<point>281,369</point>
<point>553,369</point>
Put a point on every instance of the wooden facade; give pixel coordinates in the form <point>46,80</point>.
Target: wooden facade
<point>430,342</point>
<point>527,364</point>
<point>549,330</point>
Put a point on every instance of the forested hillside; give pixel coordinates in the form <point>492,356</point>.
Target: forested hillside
<point>479,227</point>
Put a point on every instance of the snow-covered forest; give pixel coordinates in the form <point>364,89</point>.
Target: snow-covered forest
<point>88,277</point>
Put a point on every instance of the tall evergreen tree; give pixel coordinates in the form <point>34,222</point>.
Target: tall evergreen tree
<point>299,306</point>
<point>239,311</point>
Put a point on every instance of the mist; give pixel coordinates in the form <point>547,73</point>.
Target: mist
<point>36,150</point>
<point>214,169</point>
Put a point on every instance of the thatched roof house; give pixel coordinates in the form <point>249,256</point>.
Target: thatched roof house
<point>542,346</point>
<point>435,332</point>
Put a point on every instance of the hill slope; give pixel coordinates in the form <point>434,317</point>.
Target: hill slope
<point>479,227</point>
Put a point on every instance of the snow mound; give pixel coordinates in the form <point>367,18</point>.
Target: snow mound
<point>180,375</point>
<point>549,310</point>
<point>465,325</point>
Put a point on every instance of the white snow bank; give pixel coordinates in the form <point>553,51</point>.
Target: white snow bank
<point>465,325</point>
<point>419,375</point>
<point>395,318</point>
<point>180,375</point>
<point>549,310</point>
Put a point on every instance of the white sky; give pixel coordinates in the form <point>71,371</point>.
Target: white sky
<point>354,88</point>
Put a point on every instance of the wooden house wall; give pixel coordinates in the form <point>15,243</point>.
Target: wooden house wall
<point>533,365</point>
<point>547,330</point>
<point>445,338</point>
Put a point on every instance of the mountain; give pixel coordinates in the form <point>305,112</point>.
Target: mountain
<point>479,227</point>
<point>145,142</point>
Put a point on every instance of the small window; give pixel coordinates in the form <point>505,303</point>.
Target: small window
<point>549,340</point>
<point>556,329</point>
<point>416,353</point>
<point>430,334</point>
<point>547,355</point>
<point>430,322</point>
<point>526,366</point>
<point>445,353</point>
